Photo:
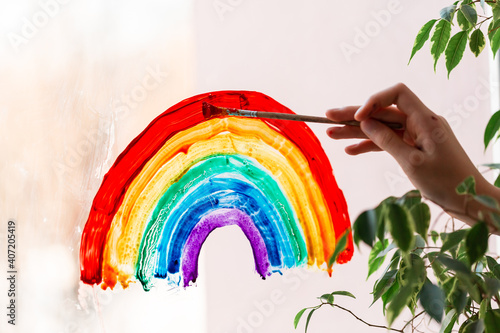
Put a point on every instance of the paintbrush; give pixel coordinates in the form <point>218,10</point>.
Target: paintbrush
<point>211,111</point>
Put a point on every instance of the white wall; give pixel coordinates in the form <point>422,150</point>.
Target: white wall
<point>293,51</point>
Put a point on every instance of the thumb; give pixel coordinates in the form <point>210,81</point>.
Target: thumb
<point>386,139</point>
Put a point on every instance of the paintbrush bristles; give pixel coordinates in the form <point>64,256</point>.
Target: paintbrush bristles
<point>210,111</point>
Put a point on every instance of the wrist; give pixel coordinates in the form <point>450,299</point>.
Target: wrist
<point>475,211</point>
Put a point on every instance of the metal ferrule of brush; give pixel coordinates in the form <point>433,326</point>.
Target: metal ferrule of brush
<point>244,113</point>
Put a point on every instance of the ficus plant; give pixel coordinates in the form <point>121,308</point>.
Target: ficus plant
<point>447,276</point>
<point>470,25</point>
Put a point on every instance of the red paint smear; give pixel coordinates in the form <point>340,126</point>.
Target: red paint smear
<point>179,117</point>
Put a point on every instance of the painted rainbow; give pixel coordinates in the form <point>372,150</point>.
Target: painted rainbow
<point>185,176</point>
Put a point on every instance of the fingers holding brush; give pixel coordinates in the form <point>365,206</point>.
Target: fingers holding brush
<point>386,115</point>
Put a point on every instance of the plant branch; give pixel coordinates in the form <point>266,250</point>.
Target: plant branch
<point>366,323</point>
<point>487,1</point>
<point>489,32</point>
<point>486,19</point>
<point>412,319</point>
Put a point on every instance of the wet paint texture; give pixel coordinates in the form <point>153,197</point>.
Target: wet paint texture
<point>184,176</point>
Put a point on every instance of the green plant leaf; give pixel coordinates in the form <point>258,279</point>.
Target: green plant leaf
<point>343,293</point>
<point>476,242</point>
<point>453,264</point>
<point>469,13</point>
<point>449,286</point>
<point>468,186</point>
<point>410,199</point>
<point>474,327</point>
<point>412,305</point>
<point>486,201</point>
<point>422,37</point>
<point>459,299</point>
<point>482,308</point>
<point>448,322</point>
<point>365,227</point>
<point>419,245</point>
<point>452,239</point>
<point>434,236</point>
<point>477,42</point>
<point>495,219</point>
<point>492,165</point>
<point>495,9</point>
<point>455,50</point>
<point>469,283</point>
<point>395,260</point>
<point>439,40</point>
<point>298,316</point>
<point>383,284</point>
<point>309,318</point>
<point>374,260</point>
<point>455,252</point>
<point>328,298</point>
<point>491,262</point>
<point>463,23</point>
<point>388,249</point>
<point>388,296</point>
<point>339,248</point>
<point>388,200</point>
<point>398,303</point>
<point>380,212</point>
<point>491,128</point>
<point>437,267</point>
<point>447,13</point>
<point>460,253</point>
<point>494,35</point>
<point>497,181</point>
<point>421,215</point>
<point>432,300</point>
<point>416,273</point>
<point>455,295</point>
<point>492,321</point>
<point>467,322</point>
<point>401,227</point>
<point>493,267</point>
